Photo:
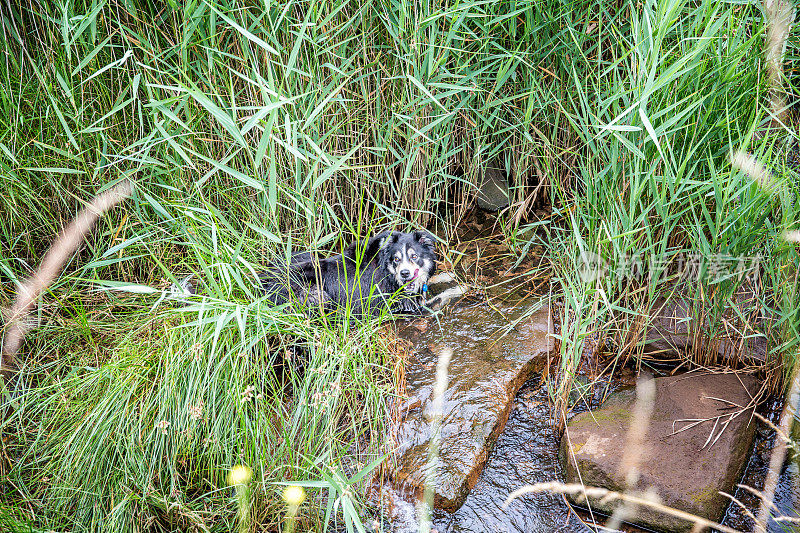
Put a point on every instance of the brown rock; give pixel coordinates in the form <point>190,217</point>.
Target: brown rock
<point>687,469</point>
<point>487,368</point>
<point>492,186</point>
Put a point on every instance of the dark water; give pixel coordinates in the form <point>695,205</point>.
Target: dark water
<point>787,495</point>
<point>527,453</point>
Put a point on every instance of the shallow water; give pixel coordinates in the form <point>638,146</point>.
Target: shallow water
<point>526,452</point>
<point>787,495</point>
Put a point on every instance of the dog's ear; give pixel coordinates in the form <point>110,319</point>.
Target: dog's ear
<point>380,240</point>
<point>425,238</point>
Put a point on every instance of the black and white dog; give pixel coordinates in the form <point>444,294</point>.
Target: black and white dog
<point>387,272</point>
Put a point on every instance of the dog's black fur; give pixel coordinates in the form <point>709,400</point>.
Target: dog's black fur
<point>387,272</point>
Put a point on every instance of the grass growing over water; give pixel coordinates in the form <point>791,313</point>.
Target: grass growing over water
<point>676,98</point>
<point>252,130</point>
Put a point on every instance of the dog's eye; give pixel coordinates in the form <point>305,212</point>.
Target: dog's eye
<point>413,257</point>
<point>396,259</point>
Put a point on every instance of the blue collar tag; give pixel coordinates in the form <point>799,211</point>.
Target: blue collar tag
<point>424,287</point>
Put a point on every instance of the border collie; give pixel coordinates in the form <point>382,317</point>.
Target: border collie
<point>387,272</point>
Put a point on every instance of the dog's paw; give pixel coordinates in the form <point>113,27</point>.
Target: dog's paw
<point>445,297</point>
<point>442,278</point>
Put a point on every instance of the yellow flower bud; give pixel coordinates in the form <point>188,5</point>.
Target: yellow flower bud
<point>294,495</point>
<point>239,475</point>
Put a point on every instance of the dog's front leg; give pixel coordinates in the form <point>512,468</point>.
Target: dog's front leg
<point>453,290</point>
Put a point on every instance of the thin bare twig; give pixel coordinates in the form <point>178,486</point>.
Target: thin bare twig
<point>742,506</point>
<point>62,248</point>
<point>776,429</point>
<point>607,495</point>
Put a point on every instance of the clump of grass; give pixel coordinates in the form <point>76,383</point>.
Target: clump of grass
<point>663,96</point>
<point>250,133</point>
<point>150,434</point>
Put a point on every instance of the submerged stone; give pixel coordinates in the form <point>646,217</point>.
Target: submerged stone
<point>495,350</point>
<point>687,468</point>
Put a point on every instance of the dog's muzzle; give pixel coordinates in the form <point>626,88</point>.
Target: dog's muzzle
<point>412,281</point>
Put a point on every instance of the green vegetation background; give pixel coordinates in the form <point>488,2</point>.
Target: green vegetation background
<point>251,129</point>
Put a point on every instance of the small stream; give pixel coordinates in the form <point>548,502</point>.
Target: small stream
<point>787,495</point>
<point>526,452</point>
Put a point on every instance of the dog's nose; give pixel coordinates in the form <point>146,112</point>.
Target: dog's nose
<point>405,274</point>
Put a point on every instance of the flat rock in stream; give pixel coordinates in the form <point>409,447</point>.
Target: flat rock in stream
<point>687,469</point>
<point>490,363</point>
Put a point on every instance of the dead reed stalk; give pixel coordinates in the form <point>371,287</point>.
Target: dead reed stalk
<point>606,495</point>
<point>635,447</point>
<point>439,388</point>
<point>780,15</point>
<point>62,248</point>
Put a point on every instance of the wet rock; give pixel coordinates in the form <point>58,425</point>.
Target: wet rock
<point>687,469</point>
<point>491,360</point>
<point>525,454</point>
<point>493,187</point>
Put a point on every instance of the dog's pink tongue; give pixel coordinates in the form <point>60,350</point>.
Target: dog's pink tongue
<point>416,273</point>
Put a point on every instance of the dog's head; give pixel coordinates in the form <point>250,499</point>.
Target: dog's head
<point>410,258</point>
